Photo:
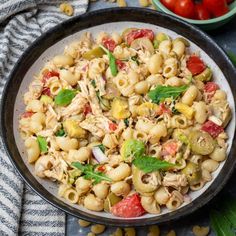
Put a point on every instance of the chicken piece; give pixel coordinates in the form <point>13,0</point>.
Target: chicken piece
<point>76,106</point>
<point>93,101</point>
<point>175,180</point>
<point>35,91</point>
<point>97,125</point>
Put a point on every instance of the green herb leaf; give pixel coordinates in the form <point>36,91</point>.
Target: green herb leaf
<point>155,44</point>
<point>149,164</point>
<point>135,59</point>
<point>112,61</point>
<point>160,93</point>
<point>232,57</point>
<point>102,147</point>
<point>90,173</point>
<point>220,224</point>
<point>60,132</point>
<point>126,121</point>
<point>132,148</point>
<point>42,144</point>
<point>93,83</point>
<point>64,97</point>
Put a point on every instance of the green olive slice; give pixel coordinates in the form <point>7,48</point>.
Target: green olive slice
<point>193,173</point>
<point>201,142</point>
<point>204,76</point>
<point>93,53</point>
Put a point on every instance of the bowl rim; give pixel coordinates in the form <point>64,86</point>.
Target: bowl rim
<point>76,24</point>
<point>229,14</point>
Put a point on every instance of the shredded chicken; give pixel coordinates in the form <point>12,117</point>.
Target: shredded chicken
<point>175,180</point>
<point>93,101</point>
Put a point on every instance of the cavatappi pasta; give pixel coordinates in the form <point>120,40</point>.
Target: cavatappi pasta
<point>129,119</point>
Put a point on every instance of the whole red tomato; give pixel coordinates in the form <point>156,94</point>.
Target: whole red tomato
<point>216,7</point>
<point>201,12</point>
<point>184,8</point>
<point>170,4</point>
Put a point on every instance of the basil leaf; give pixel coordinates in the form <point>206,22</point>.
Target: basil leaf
<point>160,93</point>
<point>42,144</point>
<point>64,97</point>
<point>90,173</point>
<point>112,61</point>
<point>102,147</point>
<point>232,57</point>
<point>149,164</point>
<point>220,224</point>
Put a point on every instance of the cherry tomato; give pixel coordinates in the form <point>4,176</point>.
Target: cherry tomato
<point>195,65</point>
<point>87,109</point>
<point>139,33</point>
<point>216,7</point>
<point>170,4</point>
<point>109,43</point>
<point>128,207</point>
<point>112,126</point>
<point>47,75</point>
<point>121,65</point>
<point>185,8</point>
<point>170,148</point>
<point>27,114</point>
<point>212,128</point>
<point>201,12</point>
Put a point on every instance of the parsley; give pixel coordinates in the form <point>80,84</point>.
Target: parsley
<point>42,144</point>
<point>112,61</point>
<point>135,59</point>
<point>60,132</point>
<point>64,97</point>
<point>175,111</point>
<point>160,93</point>
<point>90,173</point>
<point>149,164</point>
<point>102,147</point>
<point>126,121</point>
<point>93,83</point>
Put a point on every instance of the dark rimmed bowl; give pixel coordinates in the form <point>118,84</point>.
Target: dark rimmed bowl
<point>11,99</point>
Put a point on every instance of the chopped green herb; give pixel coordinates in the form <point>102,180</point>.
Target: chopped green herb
<point>42,144</point>
<point>60,132</point>
<point>126,121</point>
<point>175,111</point>
<point>102,147</point>
<point>93,83</point>
<point>135,59</point>
<point>90,173</point>
<point>112,61</point>
<point>160,93</point>
<point>149,164</point>
<point>64,97</point>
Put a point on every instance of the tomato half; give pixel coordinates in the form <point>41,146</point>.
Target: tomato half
<point>201,12</point>
<point>195,65</point>
<point>185,8</point>
<point>216,7</point>
<point>170,4</point>
<point>139,33</point>
<point>109,43</point>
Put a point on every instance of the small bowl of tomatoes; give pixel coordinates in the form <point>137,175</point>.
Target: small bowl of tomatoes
<point>207,14</point>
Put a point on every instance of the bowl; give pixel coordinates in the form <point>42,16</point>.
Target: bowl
<point>114,19</point>
<point>211,24</point>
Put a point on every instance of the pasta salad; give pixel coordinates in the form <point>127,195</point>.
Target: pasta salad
<point>128,123</point>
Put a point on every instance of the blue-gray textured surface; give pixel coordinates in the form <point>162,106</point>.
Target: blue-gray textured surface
<point>226,38</point>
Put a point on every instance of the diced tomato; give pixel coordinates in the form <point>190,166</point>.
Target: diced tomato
<point>139,33</point>
<point>47,75</point>
<point>101,168</point>
<point>128,207</point>
<point>87,109</point>
<point>112,126</point>
<point>213,129</point>
<point>210,88</point>
<point>170,148</point>
<point>195,65</point>
<point>164,109</point>
<point>121,65</point>
<point>27,114</point>
<point>46,91</point>
<point>109,43</point>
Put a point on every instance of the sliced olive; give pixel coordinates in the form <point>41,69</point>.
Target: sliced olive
<point>193,173</point>
<point>141,43</point>
<point>93,53</point>
<point>205,75</point>
<point>201,142</point>
<point>110,201</point>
